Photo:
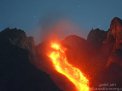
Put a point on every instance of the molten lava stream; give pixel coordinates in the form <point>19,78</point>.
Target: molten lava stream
<point>61,65</point>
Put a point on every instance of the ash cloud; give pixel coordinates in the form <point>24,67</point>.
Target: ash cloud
<point>55,25</point>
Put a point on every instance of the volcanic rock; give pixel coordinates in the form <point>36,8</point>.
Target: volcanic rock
<point>77,48</point>
<point>112,52</point>
<point>18,38</point>
<point>16,71</point>
<point>114,37</point>
<point>96,37</point>
<point>115,33</point>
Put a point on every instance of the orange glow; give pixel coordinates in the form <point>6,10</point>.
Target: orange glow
<point>61,65</point>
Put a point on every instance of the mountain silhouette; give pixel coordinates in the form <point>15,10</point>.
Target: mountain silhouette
<point>17,73</point>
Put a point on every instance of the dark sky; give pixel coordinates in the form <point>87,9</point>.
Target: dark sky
<point>30,14</point>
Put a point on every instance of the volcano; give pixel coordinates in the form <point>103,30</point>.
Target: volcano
<point>69,64</point>
<point>98,57</point>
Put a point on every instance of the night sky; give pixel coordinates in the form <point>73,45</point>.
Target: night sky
<point>31,14</point>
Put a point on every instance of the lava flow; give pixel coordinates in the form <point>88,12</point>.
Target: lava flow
<point>61,65</point>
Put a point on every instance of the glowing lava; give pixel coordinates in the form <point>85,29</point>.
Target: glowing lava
<point>61,65</point>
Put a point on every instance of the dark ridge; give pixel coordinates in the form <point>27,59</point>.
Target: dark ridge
<point>116,19</point>
<point>17,73</point>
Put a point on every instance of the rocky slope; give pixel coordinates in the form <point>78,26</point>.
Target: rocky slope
<point>111,50</point>
<point>16,71</point>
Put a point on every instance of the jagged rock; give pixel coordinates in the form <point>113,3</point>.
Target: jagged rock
<point>114,38</point>
<point>96,37</point>
<point>16,71</point>
<point>115,33</point>
<point>110,53</point>
<point>17,37</point>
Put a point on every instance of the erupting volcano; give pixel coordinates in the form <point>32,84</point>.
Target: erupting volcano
<point>66,63</point>
<point>62,66</point>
